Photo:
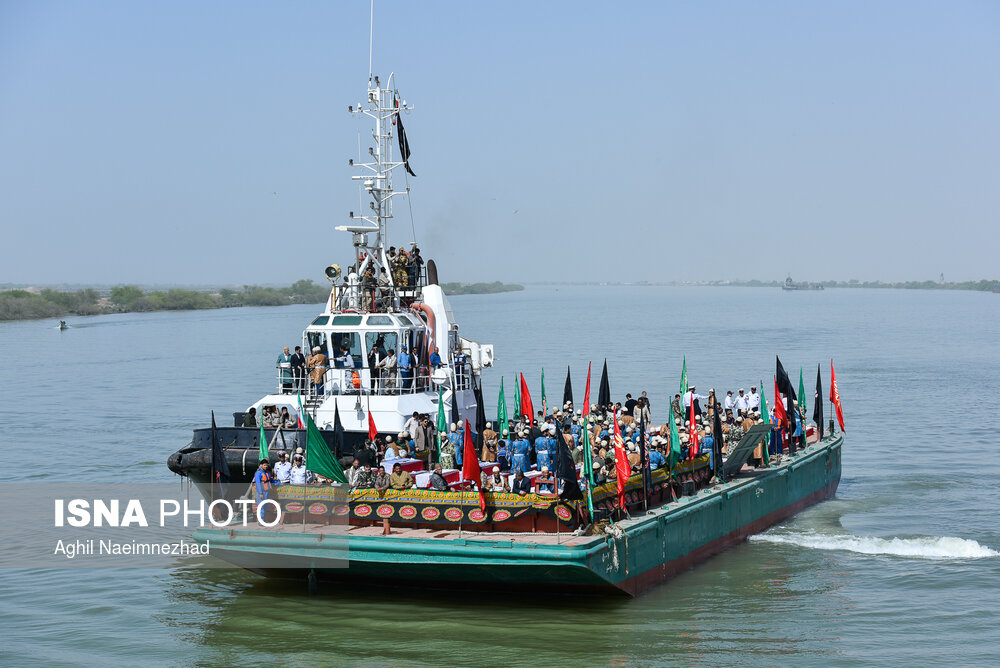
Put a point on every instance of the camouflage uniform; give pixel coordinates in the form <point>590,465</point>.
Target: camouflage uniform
<point>366,480</point>
<point>447,455</point>
<point>400,275</point>
<point>735,434</point>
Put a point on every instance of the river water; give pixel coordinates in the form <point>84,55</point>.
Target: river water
<point>902,566</point>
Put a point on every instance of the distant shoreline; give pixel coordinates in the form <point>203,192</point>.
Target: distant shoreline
<point>975,286</point>
<point>48,303</point>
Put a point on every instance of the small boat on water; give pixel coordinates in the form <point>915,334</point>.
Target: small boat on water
<point>789,284</point>
<point>631,532</point>
<point>63,325</point>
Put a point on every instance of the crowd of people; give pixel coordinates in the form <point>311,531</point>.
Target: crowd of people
<point>529,445</point>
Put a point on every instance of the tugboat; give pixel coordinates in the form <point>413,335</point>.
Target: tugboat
<point>463,530</point>
<point>380,305</point>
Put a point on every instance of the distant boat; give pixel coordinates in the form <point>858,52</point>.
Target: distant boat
<point>63,325</point>
<point>789,284</point>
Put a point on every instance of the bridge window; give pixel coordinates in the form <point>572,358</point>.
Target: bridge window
<point>316,339</point>
<point>381,342</point>
<point>347,320</point>
<point>345,350</point>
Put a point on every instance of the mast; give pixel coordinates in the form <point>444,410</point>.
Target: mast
<point>369,227</point>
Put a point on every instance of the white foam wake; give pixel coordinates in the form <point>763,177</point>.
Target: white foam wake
<point>927,547</point>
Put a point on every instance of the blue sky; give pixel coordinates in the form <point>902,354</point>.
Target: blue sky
<point>195,142</point>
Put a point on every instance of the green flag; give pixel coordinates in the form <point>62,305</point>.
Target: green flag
<point>765,415</point>
<point>319,459</point>
<point>263,441</point>
<point>517,399</point>
<point>684,377</point>
<point>588,467</point>
<point>442,424</point>
<point>767,420</point>
<point>802,394</point>
<point>543,389</point>
<point>675,441</point>
<point>501,410</point>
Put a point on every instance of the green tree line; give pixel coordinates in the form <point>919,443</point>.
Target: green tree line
<point>24,305</point>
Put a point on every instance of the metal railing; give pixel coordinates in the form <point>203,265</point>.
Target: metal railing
<point>362,380</point>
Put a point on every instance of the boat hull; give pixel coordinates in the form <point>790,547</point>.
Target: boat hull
<point>648,550</point>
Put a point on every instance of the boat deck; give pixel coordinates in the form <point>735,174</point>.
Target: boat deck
<point>565,538</point>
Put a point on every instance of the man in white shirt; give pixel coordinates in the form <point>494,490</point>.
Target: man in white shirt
<point>388,365</point>
<point>299,475</point>
<point>690,396</point>
<point>729,404</point>
<point>753,399</point>
<point>412,425</point>
<point>283,468</point>
<point>742,404</point>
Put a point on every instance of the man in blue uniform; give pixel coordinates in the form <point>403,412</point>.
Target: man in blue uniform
<point>521,448</point>
<point>457,439</point>
<point>262,483</point>
<point>545,447</point>
<point>405,363</point>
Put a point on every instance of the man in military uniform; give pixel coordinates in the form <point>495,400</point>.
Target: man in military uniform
<point>735,435</point>
<point>299,475</point>
<point>365,479</point>
<point>283,468</point>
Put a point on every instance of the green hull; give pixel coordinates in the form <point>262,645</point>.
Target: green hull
<point>651,548</point>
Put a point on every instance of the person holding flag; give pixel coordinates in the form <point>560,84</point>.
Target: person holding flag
<point>471,471</point>
<point>623,469</point>
<point>835,397</point>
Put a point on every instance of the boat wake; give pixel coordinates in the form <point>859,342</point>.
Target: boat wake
<point>926,547</point>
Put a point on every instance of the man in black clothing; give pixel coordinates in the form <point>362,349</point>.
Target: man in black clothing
<point>521,484</point>
<point>298,365</point>
<point>629,404</point>
<point>437,480</point>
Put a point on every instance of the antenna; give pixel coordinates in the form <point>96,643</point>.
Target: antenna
<point>371,43</point>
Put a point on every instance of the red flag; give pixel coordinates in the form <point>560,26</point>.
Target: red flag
<point>779,406</point>
<point>470,465</point>
<point>623,468</point>
<point>586,395</point>
<point>372,431</point>
<point>526,408</point>
<point>835,397</point>
<point>692,432</point>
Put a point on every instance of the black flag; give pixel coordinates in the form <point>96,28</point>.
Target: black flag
<point>477,390</point>
<point>646,474</point>
<point>220,469</point>
<point>568,389</point>
<point>785,387</point>
<point>566,471</point>
<point>456,417</point>
<point>338,431</point>
<point>604,391</point>
<point>717,445</point>
<point>818,404</point>
<point>404,145</point>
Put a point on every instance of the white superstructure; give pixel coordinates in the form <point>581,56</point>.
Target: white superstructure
<point>378,304</point>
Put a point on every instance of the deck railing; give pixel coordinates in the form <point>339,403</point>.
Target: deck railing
<point>362,380</point>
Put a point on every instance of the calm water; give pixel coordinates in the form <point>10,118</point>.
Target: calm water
<point>903,566</point>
